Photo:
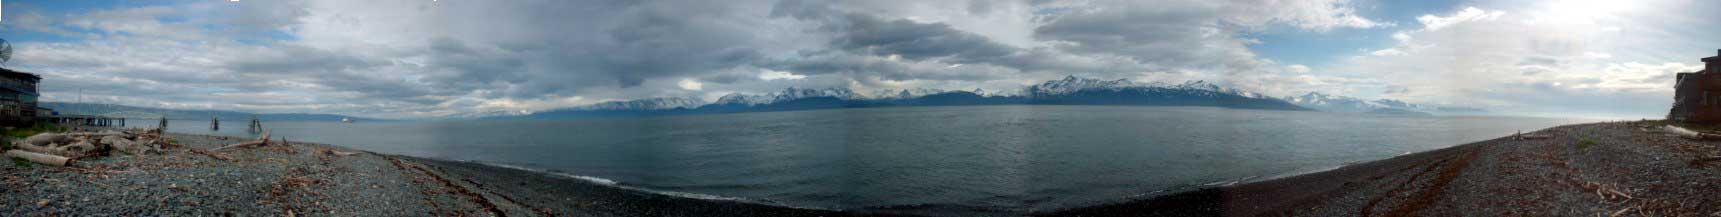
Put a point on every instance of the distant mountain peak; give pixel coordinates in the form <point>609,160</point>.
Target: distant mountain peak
<point>662,103</point>
<point>1337,103</point>
<point>791,93</point>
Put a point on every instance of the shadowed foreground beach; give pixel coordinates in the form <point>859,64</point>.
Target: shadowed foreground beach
<point>1607,169</point>
<point>1583,170</point>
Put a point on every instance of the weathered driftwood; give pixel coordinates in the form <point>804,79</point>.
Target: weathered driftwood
<point>242,144</point>
<point>210,154</point>
<point>47,159</point>
<point>1701,161</point>
<point>1521,136</point>
<point>129,146</point>
<point>45,139</point>
<point>262,140</point>
<point>76,149</point>
<point>338,153</point>
<point>80,148</point>
<point>1688,134</point>
<point>38,148</point>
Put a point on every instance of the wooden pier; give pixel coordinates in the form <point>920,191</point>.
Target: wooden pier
<point>84,120</point>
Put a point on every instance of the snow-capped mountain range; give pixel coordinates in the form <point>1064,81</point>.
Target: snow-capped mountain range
<point>647,104</point>
<point>1332,103</point>
<point>1072,84</point>
<point>1070,90</point>
<point>786,95</point>
<point>905,93</point>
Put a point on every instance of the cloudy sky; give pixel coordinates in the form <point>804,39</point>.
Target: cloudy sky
<point>423,58</point>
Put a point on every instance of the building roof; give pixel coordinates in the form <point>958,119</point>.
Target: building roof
<point>1715,58</point>
<point>9,73</point>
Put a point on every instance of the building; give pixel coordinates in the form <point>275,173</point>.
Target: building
<point>1697,95</point>
<point>17,96</point>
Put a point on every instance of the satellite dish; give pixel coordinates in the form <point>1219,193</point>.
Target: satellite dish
<point>5,51</point>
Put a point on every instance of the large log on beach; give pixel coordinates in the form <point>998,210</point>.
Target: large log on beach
<point>263,140</point>
<point>129,146</point>
<point>45,139</point>
<point>210,154</point>
<point>1682,132</point>
<point>40,158</point>
<point>37,148</point>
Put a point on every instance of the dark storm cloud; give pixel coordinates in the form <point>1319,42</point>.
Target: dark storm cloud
<point>867,34</point>
<point>565,47</point>
<point>1164,37</point>
<point>412,58</point>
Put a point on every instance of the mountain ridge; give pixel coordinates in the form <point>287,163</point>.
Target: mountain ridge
<point>1071,90</point>
<point>1346,104</point>
<point>186,114</point>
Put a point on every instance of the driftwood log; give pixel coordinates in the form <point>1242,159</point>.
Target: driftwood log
<point>1521,136</point>
<point>48,159</point>
<point>210,154</point>
<point>262,140</point>
<point>1688,134</point>
<point>74,149</point>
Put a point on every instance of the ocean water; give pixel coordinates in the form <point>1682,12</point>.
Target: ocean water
<point>933,160</point>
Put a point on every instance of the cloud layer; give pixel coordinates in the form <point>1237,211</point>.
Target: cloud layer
<point>417,59</point>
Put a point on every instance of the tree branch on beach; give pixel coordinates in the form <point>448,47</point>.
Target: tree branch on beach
<point>262,140</point>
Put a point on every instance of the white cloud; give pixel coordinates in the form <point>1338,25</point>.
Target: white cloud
<point>1476,57</point>
<point>690,84</point>
<point>1435,23</point>
<point>416,58</point>
<point>1401,37</point>
<point>779,75</point>
<point>1597,55</point>
<point>1388,52</point>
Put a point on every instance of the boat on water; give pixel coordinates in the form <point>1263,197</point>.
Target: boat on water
<point>346,120</point>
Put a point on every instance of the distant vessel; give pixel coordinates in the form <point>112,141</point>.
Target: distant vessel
<point>346,120</point>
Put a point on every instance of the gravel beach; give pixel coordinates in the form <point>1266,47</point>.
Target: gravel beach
<point>304,179</point>
<point>1582,170</point>
<point>1605,169</point>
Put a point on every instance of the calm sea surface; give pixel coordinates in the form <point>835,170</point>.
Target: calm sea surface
<point>986,159</point>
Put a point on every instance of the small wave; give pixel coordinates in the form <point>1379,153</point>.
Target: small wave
<point>594,180</point>
<point>600,181</point>
<point>694,195</point>
<point>1302,172</point>
<point>1230,182</point>
<point>1219,183</point>
<point>507,166</point>
<point>613,183</point>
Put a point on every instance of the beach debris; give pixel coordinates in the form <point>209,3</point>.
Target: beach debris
<point>1621,211</point>
<point>211,154</point>
<point>47,159</point>
<point>75,145</point>
<point>1532,136</point>
<point>1705,160</point>
<point>338,153</point>
<point>261,140</point>
<point>1689,134</point>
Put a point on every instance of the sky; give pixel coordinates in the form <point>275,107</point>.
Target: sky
<point>451,58</point>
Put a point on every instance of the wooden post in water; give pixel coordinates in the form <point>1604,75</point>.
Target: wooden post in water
<point>163,124</point>
<point>256,125</point>
<point>214,124</point>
